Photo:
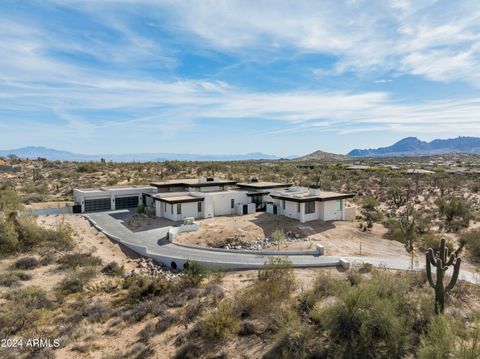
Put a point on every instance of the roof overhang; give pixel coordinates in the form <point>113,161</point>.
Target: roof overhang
<point>263,186</point>
<point>314,198</point>
<point>175,200</point>
<point>259,193</point>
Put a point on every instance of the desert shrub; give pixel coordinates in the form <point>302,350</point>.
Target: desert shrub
<point>22,233</point>
<point>371,319</point>
<point>141,287</point>
<point>45,353</point>
<point>215,291</point>
<point>295,342</point>
<point>147,332</point>
<point>220,323</point>
<point>74,260</point>
<point>10,279</point>
<point>440,340</point>
<point>471,239</point>
<point>113,269</point>
<point>277,278</point>
<point>9,199</point>
<point>30,298</point>
<point>76,281</point>
<point>33,198</point>
<point>188,351</point>
<point>193,274</point>
<point>138,351</point>
<point>141,208</point>
<point>370,211</point>
<point>8,237</point>
<point>97,312</point>
<point>432,240</point>
<point>164,322</point>
<point>27,263</point>
<point>62,237</point>
<point>273,289</point>
<point>456,212</point>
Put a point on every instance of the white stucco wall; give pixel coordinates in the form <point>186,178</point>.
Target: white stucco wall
<point>291,209</point>
<point>219,203</point>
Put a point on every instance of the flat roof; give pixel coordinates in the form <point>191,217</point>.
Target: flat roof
<point>194,182</point>
<point>177,199</point>
<point>263,185</point>
<point>110,188</point>
<point>303,195</point>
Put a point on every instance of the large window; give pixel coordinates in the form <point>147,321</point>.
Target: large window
<point>283,204</point>
<point>338,205</point>
<point>232,203</point>
<point>309,207</point>
<point>298,207</point>
<point>179,208</point>
<point>199,206</point>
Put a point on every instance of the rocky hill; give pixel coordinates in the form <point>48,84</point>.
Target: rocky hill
<point>412,146</point>
<point>322,156</point>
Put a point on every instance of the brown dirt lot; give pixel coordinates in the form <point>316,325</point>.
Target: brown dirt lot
<point>338,237</point>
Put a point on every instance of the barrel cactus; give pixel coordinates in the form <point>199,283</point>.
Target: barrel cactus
<point>441,260</point>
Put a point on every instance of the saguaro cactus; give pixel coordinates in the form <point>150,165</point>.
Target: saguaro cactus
<point>441,261</point>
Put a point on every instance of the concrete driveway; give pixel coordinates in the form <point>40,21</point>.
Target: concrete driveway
<point>153,243</point>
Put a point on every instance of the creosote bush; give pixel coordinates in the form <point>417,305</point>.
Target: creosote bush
<point>113,269</point>
<point>74,260</point>
<point>141,287</point>
<point>471,239</point>
<point>193,274</point>
<point>221,323</point>
<point>27,263</point>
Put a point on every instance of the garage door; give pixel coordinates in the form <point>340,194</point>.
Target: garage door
<point>126,202</point>
<point>102,204</point>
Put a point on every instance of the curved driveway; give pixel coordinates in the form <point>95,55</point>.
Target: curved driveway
<point>153,243</point>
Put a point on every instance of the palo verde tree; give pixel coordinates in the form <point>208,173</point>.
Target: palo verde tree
<point>442,261</point>
<point>399,190</point>
<point>456,212</point>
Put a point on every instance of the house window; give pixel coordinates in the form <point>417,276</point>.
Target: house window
<point>338,205</point>
<point>171,208</point>
<point>199,206</point>
<point>232,203</point>
<point>283,204</point>
<point>179,208</point>
<point>165,207</point>
<point>309,207</point>
<point>298,207</point>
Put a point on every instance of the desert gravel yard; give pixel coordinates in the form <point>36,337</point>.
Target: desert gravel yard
<point>339,238</point>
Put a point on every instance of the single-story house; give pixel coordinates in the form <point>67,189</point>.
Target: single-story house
<point>309,204</point>
<point>210,197</point>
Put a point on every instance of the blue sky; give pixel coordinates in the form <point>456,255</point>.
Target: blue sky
<point>214,77</point>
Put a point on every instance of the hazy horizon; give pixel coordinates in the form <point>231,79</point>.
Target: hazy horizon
<point>236,77</point>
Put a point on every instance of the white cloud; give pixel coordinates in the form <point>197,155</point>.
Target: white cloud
<point>434,39</point>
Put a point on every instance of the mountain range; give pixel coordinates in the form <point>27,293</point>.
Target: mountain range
<point>409,146</point>
<point>412,146</point>
<point>34,152</point>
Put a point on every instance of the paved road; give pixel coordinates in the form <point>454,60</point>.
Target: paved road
<point>152,243</point>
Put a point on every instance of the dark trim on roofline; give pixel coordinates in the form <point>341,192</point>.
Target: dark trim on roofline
<point>319,199</point>
<point>199,199</point>
<point>253,186</point>
<point>202,184</point>
<point>259,193</point>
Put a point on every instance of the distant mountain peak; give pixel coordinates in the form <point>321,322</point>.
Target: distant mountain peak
<point>33,152</point>
<point>412,146</point>
<point>322,156</point>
